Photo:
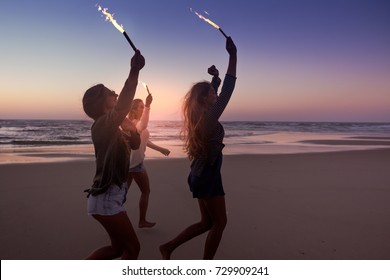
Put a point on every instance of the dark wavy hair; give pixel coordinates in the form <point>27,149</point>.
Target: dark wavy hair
<point>94,101</point>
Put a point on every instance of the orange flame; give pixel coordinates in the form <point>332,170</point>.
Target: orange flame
<point>110,17</point>
<point>207,20</point>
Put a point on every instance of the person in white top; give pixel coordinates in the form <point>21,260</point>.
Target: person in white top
<point>139,117</point>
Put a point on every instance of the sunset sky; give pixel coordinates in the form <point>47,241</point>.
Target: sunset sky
<point>298,60</point>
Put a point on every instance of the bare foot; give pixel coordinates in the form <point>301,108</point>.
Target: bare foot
<point>146,224</point>
<point>165,252</point>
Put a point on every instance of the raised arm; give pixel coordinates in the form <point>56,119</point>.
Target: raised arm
<point>232,50</point>
<point>144,120</point>
<point>229,82</point>
<point>127,94</point>
<point>216,81</point>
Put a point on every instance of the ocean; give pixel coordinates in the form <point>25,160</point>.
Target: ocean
<point>240,136</point>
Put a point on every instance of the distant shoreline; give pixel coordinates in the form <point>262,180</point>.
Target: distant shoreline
<point>56,140</point>
<point>178,120</point>
<point>85,152</point>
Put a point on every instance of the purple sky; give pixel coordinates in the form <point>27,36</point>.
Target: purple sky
<point>297,60</point>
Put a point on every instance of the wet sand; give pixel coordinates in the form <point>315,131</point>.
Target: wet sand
<point>332,205</point>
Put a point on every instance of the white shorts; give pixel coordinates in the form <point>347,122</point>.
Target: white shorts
<point>109,203</point>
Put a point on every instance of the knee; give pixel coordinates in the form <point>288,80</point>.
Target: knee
<point>206,224</point>
<point>217,224</point>
<point>132,251</point>
<point>117,253</point>
<point>146,191</point>
<point>224,223</point>
<point>220,223</point>
<point>136,248</point>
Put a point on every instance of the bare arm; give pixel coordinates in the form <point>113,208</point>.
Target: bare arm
<point>162,150</point>
<point>229,82</point>
<point>144,120</point>
<point>127,94</point>
<point>142,124</point>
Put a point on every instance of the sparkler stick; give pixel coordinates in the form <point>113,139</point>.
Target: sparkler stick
<point>213,24</point>
<point>110,17</point>
<point>146,87</point>
<point>128,40</point>
<point>223,33</point>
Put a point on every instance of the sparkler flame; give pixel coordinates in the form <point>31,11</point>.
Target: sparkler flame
<point>145,86</point>
<point>110,17</point>
<point>213,24</point>
<point>207,20</point>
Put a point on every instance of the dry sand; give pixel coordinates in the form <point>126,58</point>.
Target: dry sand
<point>325,206</point>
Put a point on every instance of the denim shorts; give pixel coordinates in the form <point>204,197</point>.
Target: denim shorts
<point>109,203</point>
<point>139,168</point>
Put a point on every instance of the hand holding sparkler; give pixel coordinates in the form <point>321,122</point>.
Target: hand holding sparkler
<point>137,61</point>
<point>127,94</point>
<point>232,50</point>
<point>145,86</point>
<point>230,46</point>
<point>148,100</point>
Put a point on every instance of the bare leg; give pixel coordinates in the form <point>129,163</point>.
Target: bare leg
<point>142,180</point>
<point>124,241</point>
<point>190,232</point>
<point>129,179</point>
<point>217,210</point>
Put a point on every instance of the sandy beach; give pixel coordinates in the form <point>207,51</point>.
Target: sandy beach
<point>308,206</point>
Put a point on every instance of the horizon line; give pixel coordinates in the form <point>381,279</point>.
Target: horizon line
<point>166,120</point>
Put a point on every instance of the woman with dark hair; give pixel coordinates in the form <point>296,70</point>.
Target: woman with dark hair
<point>107,195</point>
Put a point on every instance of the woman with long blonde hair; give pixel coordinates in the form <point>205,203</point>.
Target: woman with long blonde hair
<point>203,138</point>
<point>138,117</point>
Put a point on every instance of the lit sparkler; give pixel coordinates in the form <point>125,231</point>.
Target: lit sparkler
<point>110,17</point>
<point>213,24</point>
<point>146,87</point>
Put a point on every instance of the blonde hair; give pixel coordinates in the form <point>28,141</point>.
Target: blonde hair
<point>193,130</point>
<point>134,105</point>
